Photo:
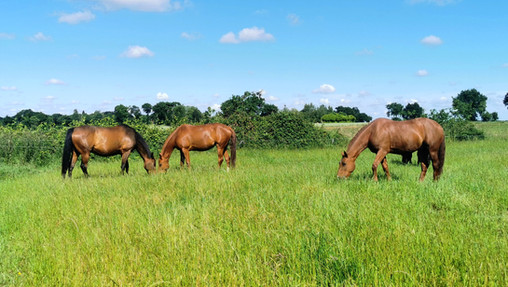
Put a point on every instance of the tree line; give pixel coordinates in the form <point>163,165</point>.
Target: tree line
<point>469,105</point>
<point>174,113</point>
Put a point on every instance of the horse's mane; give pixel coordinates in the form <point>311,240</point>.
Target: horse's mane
<point>140,142</point>
<point>358,134</point>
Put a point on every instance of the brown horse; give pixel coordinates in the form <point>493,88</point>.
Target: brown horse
<point>204,137</point>
<point>102,141</point>
<point>383,136</point>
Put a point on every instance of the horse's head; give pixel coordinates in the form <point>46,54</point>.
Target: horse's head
<point>150,164</point>
<point>346,166</point>
<point>163,163</point>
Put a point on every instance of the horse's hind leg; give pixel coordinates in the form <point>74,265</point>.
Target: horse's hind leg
<point>222,153</point>
<point>435,165</point>
<point>423,158</point>
<point>84,163</point>
<point>73,162</point>
<point>384,164</point>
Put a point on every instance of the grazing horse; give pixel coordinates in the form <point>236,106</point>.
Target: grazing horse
<point>103,141</point>
<point>383,136</point>
<point>204,137</point>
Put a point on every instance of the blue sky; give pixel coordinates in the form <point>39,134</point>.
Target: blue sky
<point>61,55</point>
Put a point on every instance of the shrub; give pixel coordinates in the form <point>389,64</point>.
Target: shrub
<point>338,118</point>
<point>283,129</point>
<point>455,127</point>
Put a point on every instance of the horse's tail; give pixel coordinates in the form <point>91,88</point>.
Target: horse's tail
<point>67,152</point>
<point>441,156</point>
<point>233,148</point>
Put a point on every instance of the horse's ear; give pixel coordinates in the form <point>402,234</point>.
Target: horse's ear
<point>344,154</point>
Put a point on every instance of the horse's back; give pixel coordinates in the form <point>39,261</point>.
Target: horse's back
<point>104,140</point>
<point>202,137</point>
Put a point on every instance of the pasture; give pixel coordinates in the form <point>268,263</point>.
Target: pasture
<point>280,218</point>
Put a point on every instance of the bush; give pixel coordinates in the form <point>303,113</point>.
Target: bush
<point>461,130</point>
<point>456,128</point>
<point>338,118</point>
<point>283,129</point>
<point>20,145</point>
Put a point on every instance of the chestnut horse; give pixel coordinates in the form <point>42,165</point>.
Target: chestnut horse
<point>383,136</point>
<point>204,137</point>
<point>104,141</point>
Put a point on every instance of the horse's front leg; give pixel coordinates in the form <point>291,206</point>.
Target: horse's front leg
<point>187,157</point>
<point>379,158</point>
<point>125,162</point>
<point>182,158</point>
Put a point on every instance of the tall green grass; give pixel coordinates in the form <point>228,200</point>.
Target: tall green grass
<point>280,218</point>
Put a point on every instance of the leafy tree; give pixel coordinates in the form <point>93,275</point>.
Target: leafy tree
<point>441,117</point>
<point>314,114</point>
<point>251,103</point>
<point>135,112</point>
<point>337,118</point>
<point>394,111</point>
<point>505,101</point>
<point>360,117</point>
<point>470,104</point>
<point>164,112</point>
<point>268,109</point>
<point>121,113</point>
<point>412,111</point>
<point>147,108</point>
<point>208,115</point>
<point>194,114</point>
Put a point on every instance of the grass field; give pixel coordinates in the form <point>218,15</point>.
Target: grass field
<point>280,218</point>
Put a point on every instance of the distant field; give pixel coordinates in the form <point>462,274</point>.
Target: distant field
<point>280,219</point>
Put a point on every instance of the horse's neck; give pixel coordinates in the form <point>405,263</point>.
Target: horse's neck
<point>168,147</point>
<point>359,143</point>
<point>145,154</point>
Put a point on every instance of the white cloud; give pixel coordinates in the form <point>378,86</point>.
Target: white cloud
<point>422,73</point>
<point>505,65</point>
<point>40,37</point>
<point>137,52</point>
<point>191,36</point>
<point>432,40</point>
<point>364,94</point>
<point>75,18</point>
<point>49,99</point>
<point>143,5</point>
<point>8,88</point>
<point>54,81</point>
<point>293,19</point>
<point>253,34</point>
<point>365,52</point>
<point>324,101</point>
<point>162,96</point>
<point>215,107</point>
<point>325,89</point>
<point>272,99</point>
<point>7,36</point>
